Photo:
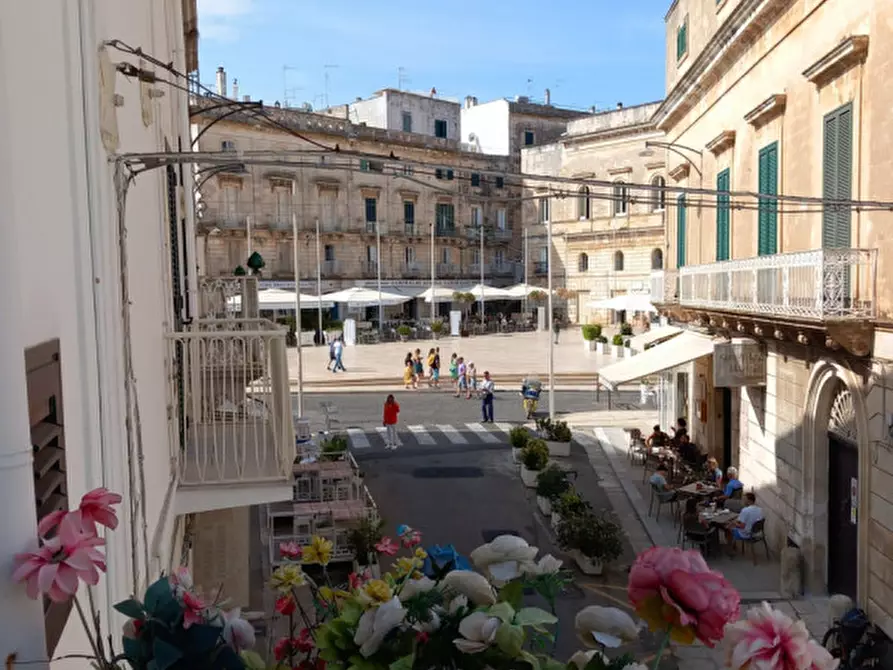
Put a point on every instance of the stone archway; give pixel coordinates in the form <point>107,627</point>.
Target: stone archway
<point>834,405</point>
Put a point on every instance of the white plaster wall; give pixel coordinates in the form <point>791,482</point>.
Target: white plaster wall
<point>489,122</point>
<point>65,226</point>
<point>424,112</point>
<point>373,112</point>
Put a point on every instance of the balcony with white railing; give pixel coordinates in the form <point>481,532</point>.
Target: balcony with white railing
<point>234,440</point>
<point>813,286</point>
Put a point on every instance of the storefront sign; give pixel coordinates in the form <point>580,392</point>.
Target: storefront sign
<point>738,363</point>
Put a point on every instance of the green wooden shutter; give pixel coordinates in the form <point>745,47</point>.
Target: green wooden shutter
<point>837,177</point>
<point>768,208</point>
<point>723,216</point>
<point>680,231</point>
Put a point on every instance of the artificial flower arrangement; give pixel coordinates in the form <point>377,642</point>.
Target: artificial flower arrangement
<point>423,614</point>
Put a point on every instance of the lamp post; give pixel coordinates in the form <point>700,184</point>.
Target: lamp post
<point>319,287</point>
<point>294,232</point>
<point>551,318</point>
<point>482,277</point>
<point>433,301</point>
<point>378,272</point>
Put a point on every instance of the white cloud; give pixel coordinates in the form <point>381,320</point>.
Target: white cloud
<point>220,20</point>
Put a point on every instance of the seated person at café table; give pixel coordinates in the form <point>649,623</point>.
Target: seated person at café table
<point>680,430</point>
<point>688,451</point>
<point>747,517</point>
<point>659,480</point>
<point>691,518</point>
<point>658,438</point>
<point>732,483</point>
<point>714,472</point>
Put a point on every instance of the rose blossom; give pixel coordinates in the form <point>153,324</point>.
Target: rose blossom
<point>674,590</point>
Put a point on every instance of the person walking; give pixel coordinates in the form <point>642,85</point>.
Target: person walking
<point>389,420</point>
<point>331,355</point>
<point>338,349</point>
<point>419,365</point>
<point>454,371</point>
<point>487,398</point>
<point>462,371</point>
<point>409,378</point>
<point>429,360</point>
<point>435,368</point>
<point>556,327</point>
<point>472,385</point>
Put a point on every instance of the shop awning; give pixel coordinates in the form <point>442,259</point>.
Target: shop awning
<point>682,349</point>
<point>640,342</point>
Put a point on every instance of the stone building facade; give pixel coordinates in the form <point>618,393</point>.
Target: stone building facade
<point>421,184</point>
<point>602,246</point>
<point>790,98</point>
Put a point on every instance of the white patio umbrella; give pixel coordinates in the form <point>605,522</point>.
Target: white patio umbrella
<point>439,294</point>
<point>629,302</point>
<point>358,296</point>
<point>278,299</point>
<point>521,291</point>
<point>489,292</point>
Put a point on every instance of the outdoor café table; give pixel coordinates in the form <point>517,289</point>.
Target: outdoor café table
<point>721,518</point>
<point>692,489</point>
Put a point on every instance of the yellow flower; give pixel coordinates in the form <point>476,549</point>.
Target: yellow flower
<point>332,596</point>
<point>318,551</point>
<point>421,554</point>
<point>406,566</point>
<point>376,592</point>
<point>287,577</point>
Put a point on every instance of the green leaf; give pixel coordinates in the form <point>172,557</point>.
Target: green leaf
<point>133,649</point>
<point>513,594</point>
<point>158,595</point>
<point>510,639</point>
<point>404,663</point>
<point>253,660</point>
<point>165,654</point>
<point>351,613</point>
<point>131,608</point>
<point>329,655</point>
<point>203,637</point>
<point>530,659</point>
<point>502,611</point>
<point>534,616</point>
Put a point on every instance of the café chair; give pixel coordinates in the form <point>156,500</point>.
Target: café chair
<point>696,535</point>
<point>663,498</point>
<point>757,536</point>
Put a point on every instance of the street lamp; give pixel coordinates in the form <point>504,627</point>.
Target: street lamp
<point>294,232</point>
<point>675,148</point>
<point>482,275</point>
<point>433,301</point>
<point>551,318</point>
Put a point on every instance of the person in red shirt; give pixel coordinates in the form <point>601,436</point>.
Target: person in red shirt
<point>391,410</point>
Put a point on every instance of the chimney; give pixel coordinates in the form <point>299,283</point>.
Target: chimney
<point>619,105</point>
<point>235,89</point>
<point>470,102</point>
<point>592,110</point>
<point>547,98</point>
<point>221,81</point>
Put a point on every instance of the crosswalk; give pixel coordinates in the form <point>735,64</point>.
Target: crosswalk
<point>428,436</point>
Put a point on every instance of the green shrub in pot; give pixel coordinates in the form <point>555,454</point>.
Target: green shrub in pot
<point>617,340</point>
<point>535,454</point>
<point>597,538</point>
<point>591,331</point>
<point>626,329</point>
<point>570,503</point>
<point>519,436</point>
<point>404,330</point>
<point>552,482</point>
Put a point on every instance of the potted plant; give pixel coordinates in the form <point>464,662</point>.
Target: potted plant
<point>617,346</point>
<point>557,436</point>
<point>363,538</point>
<point>591,333</point>
<point>519,436</point>
<point>550,484</point>
<point>601,345</point>
<point>534,458</point>
<point>626,329</point>
<point>568,504</point>
<point>437,328</point>
<point>333,448</point>
<point>591,540</point>
<point>404,332</point>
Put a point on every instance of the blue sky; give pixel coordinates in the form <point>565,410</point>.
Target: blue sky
<point>588,52</point>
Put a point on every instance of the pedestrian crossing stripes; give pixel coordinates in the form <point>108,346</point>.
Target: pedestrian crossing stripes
<point>432,436</point>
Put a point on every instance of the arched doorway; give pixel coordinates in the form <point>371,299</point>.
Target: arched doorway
<point>843,494</point>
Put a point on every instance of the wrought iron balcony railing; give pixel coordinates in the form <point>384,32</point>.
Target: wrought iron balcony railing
<point>230,398</point>
<point>817,285</point>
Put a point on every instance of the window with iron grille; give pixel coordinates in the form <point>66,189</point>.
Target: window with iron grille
<point>44,378</point>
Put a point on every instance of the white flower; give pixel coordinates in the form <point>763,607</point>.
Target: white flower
<point>478,632</point>
<point>376,623</point>
<point>582,658</point>
<point>604,626</point>
<point>457,603</point>
<point>414,587</point>
<point>237,633</point>
<point>470,584</point>
<point>547,565</point>
<point>429,626</point>
<point>504,558</point>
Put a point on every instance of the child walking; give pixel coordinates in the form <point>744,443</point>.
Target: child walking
<point>462,372</point>
<point>454,370</point>
<point>409,379</point>
<point>389,419</point>
<point>472,374</point>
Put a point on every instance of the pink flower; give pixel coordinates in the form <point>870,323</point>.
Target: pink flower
<point>291,550</point>
<point>193,609</point>
<point>304,643</point>
<point>356,580</point>
<point>671,588</point>
<point>56,567</point>
<point>387,546</point>
<point>50,521</point>
<point>286,605</point>
<point>767,639</point>
<point>96,508</point>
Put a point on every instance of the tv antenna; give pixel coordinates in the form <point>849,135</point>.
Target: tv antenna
<point>402,79</point>
<point>326,69</point>
<point>288,92</point>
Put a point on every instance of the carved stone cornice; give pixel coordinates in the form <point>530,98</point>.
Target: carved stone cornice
<point>849,52</point>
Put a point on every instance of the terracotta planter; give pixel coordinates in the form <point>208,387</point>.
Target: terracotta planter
<point>529,477</point>
<point>617,350</point>
<point>559,449</point>
<point>588,566</point>
<point>545,505</point>
<point>555,520</point>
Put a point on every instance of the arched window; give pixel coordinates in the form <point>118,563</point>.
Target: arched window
<point>621,198</point>
<point>658,198</point>
<point>584,204</point>
<point>657,259</point>
<point>618,261</point>
<point>583,263</point>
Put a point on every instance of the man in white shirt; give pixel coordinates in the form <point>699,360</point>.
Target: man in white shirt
<point>487,398</point>
<point>747,517</point>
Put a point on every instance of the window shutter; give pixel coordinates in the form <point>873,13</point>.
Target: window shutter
<point>837,176</point>
<point>768,208</point>
<point>680,231</point>
<point>723,232</point>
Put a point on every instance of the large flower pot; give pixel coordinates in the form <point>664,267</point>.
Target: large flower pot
<point>529,477</point>
<point>601,348</point>
<point>516,456</point>
<point>589,345</point>
<point>555,520</point>
<point>544,504</point>
<point>559,449</point>
<point>617,350</point>
<point>588,566</point>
